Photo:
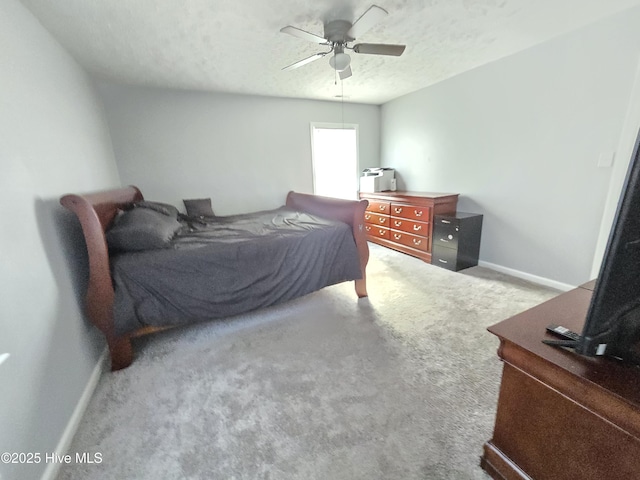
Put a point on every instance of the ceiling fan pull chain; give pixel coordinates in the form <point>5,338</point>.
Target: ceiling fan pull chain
<point>342,100</point>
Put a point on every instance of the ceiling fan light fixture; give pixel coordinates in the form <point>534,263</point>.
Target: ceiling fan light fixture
<point>340,61</point>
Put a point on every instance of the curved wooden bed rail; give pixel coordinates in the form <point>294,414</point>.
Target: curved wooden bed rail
<point>347,211</point>
<point>96,212</point>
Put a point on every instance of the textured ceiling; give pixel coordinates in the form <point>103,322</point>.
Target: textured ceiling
<point>236,46</point>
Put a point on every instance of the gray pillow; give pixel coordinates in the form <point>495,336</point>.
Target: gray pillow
<point>141,229</point>
<point>199,207</point>
<point>163,208</point>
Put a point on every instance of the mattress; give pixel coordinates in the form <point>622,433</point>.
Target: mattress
<point>224,266</point>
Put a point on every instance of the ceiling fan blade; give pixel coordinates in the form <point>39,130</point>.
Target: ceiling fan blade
<point>379,49</point>
<point>305,61</point>
<point>296,32</point>
<point>346,73</point>
<point>368,19</point>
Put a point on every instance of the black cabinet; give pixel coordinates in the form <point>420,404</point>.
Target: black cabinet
<point>456,240</point>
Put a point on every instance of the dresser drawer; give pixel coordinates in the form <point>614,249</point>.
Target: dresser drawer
<point>410,226</point>
<point>379,207</point>
<point>378,232</point>
<point>444,257</point>
<point>409,240</point>
<point>376,219</point>
<point>412,212</point>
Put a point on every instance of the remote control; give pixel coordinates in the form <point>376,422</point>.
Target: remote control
<point>563,332</point>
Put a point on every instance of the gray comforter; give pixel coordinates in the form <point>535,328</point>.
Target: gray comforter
<point>231,265</point>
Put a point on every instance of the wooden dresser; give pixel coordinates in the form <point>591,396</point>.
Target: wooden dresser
<point>403,220</point>
<point>560,415</point>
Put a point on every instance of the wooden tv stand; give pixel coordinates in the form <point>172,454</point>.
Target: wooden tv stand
<point>560,415</point>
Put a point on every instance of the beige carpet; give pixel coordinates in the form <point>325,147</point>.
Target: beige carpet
<point>402,385</point>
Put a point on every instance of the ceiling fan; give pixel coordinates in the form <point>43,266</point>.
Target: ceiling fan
<point>338,34</point>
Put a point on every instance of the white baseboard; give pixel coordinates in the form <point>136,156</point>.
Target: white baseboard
<point>547,282</point>
<point>51,471</point>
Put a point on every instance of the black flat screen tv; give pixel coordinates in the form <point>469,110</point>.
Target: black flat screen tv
<point>612,326</point>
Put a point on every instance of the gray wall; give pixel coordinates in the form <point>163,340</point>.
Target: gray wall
<point>245,152</point>
<point>53,140</point>
<point>520,139</point>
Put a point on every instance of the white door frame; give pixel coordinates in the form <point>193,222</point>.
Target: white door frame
<point>626,144</point>
<point>340,126</point>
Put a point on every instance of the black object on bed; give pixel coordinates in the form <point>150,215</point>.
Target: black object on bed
<point>230,265</point>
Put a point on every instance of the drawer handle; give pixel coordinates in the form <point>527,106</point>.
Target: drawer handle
<point>367,228</point>
<point>417,228</point>
<point>382,219</point>
<point>442,261</point>
<point>382,207</point>
<point>398,209</point>
<point>445,221</point>
<point>418,213</point>
<point>397,236</point>
<point>367,217</point>
<point>381,232</point>
<point>443,240</point>
<point>416,241</point>
<point>397,223</point>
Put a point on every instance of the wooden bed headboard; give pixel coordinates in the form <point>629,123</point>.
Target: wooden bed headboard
<point>96,211</point>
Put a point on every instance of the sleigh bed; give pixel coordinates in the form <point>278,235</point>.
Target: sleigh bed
<point>213,267</point>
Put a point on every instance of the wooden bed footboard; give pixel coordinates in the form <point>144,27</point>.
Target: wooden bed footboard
<point>347,211</point>
<point>96,212</point>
